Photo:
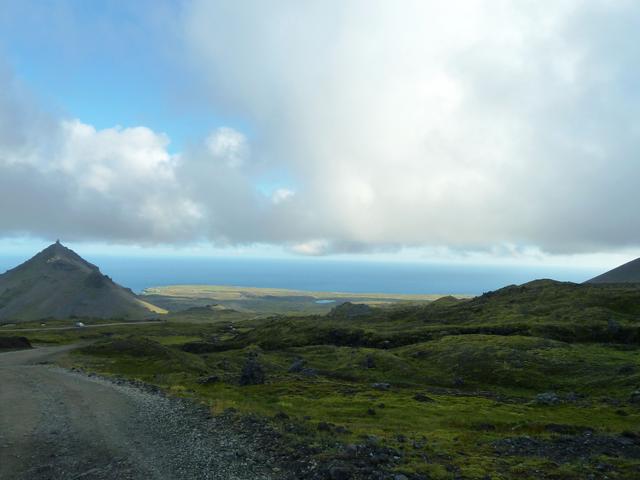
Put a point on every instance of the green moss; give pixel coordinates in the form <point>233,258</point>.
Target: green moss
<point>476,366</point>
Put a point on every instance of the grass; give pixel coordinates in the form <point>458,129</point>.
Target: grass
<point>463,377</point>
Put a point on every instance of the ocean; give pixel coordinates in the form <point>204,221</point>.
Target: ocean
<point>320,274</point>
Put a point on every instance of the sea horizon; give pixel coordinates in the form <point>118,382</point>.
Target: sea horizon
<point>139,273</point>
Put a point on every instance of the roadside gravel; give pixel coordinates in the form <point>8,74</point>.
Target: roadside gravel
<point>58,424</point>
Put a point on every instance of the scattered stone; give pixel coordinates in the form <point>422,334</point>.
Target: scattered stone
<point>281,416</point>
<point>372,440</point>
<point>252,372</point>
<point>369,362</point>
<point>486,427</point>
<point>208,380</point>
<point>547,398</point>
<point>567,448</point>
<point>324,427</point>
<point>627,370</point>
<point>340,472</point>
<point>351,451</point>
<point>297,365</point>
<point>613,327</point>
<point>381,386</point>
<point>420,397</point>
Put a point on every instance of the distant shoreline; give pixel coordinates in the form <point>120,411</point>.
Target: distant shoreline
<point>233,291</point>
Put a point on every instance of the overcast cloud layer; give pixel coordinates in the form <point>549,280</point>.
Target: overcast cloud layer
<point>370,125</point>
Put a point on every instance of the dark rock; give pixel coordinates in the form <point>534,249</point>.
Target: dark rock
<point>635,397</point>
<point>297,365</point>
<point>281,416</point>
<point>613,327</point>
<point>200,347</point>
<point>369,362</point>
<point>486,427</point>
<point>561,428</point>
<point>340,472</point>
<point>547,398</point>
<point>371,411</point>
<point>324,427</point>
<point>420,397</point>
<point>381,386</point>
<point>14,343</point>
<point>458,382</point>
<point>208,380</point>
<point>252,372</point>
<point>351,451</point>
<point>627,370</point>
<point>372,440</point>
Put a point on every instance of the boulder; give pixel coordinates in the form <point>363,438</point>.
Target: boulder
<point>208,380</point>
<point>340,472</point>
<point>252,372</point>
<point>381,386</point>
<point>14,343</point>
<point>547,398</point>
<point>369,362</point>
<point>420,397</point>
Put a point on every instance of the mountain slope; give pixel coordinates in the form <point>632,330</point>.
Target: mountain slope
<point>58,283</point>
<point>627,273</point>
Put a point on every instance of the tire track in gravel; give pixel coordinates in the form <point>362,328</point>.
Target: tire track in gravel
<point>58,424</point>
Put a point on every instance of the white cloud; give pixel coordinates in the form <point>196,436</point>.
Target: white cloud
<point>472,124</point>
<point>64,178</point>
<point>469,123</point>
<point>311,248</point>
<point>281,195</point>
<point>228,145</point>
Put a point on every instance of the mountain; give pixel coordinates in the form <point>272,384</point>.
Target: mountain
<point>58,283</point>
<point>627,273</point>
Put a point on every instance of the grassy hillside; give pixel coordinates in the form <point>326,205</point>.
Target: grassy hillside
<point>528,382</point>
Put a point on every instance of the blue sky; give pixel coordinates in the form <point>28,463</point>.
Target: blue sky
<point>468,132</point>
<point>101,80</point>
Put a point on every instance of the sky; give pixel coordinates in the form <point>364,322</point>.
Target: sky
<point>468,130</point>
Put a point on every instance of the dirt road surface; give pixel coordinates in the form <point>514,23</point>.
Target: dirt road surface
<point>57,424</point>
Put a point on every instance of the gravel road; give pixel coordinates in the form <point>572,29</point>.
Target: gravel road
<point>57,424</point>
